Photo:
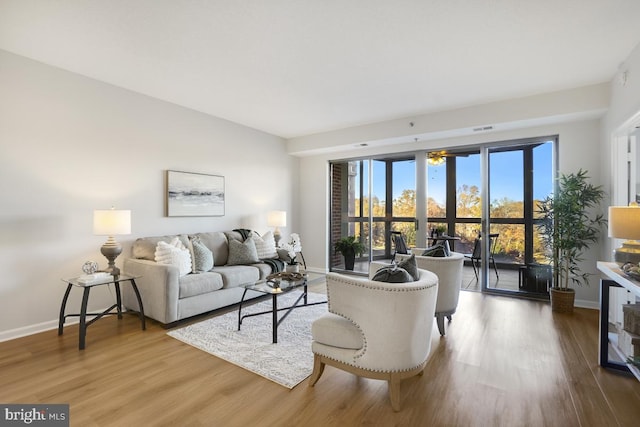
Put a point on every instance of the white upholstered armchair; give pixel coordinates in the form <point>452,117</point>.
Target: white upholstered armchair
<point>449,272</point>
<point>375,329</point>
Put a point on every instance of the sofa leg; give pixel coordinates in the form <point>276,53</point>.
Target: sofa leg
<point>318,369</point>
<point>440,322</point>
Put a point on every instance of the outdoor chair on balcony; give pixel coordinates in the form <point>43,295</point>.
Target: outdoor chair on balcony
<point>399,244</point>
<point>476,256</point>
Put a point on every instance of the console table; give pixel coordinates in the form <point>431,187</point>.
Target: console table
<point>614,278</point>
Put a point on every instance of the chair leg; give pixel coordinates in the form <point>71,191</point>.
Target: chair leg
<point>475,268</point>
<point>318,369</point>
<point>495,268</point>
<point>440,322</point>
<point>394,391</point>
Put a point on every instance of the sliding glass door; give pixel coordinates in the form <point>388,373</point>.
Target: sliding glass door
<point>369,199</point>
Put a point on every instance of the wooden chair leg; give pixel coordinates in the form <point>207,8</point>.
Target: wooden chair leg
<point>394,391</point>
<point>318,369</point>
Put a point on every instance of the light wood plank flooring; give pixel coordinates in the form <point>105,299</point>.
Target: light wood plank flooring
<point>504,362</point>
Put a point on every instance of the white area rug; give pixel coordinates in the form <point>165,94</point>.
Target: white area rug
<point>287,363</point>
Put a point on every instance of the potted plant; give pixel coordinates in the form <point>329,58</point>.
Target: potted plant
<point>349,247</point>
<point>568,224</point>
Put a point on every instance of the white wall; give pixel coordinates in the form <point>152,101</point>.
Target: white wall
<point>69,145</point>
<point>579,148</point>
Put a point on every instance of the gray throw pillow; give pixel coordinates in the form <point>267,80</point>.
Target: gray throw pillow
<point>392,274</point>
<point>410,265</point>
<point>242,252</point>
<point>436,251</point>
<point>202,256</point>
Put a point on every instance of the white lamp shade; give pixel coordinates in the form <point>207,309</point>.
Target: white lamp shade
<point>111,222</point>
<point>277,219</point>
<point>624,222</point>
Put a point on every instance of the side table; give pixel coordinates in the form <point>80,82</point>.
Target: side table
<point>115,280</point>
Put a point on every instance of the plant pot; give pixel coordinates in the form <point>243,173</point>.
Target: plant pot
<point>349,260</point>
<point>562,300</point>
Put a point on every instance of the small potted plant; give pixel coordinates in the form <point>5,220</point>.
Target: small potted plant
<point>568,224</point>
<point>293,248</point>
<point>349,247</point>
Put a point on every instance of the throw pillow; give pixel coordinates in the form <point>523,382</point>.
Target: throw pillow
<point>410,265</point>
<point>392,274</point>
<point>201,255</point>
<point>265,245</point>
<point>242,252</point>
<point>436,251</point>
<point>174,254</point>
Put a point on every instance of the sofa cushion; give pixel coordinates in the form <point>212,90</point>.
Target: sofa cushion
<point>265,245</point>
<point>174,253</point>
<point>201,256</point>
<point>145,247</point>
<point>200,283</point>
<point>237,275</point>
<point>216,241</point>
<point>336,331</point>
<point>242,252</point>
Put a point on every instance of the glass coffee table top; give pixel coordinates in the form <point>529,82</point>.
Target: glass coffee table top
<point>283,282</point>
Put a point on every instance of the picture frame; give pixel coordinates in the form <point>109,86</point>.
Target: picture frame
<point>194,194</point>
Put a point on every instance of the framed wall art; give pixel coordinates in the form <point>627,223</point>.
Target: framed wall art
<point>194,194</point>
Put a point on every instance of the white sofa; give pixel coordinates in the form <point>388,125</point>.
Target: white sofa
<point>168,296</point>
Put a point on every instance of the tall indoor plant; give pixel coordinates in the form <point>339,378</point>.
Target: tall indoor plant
<point>349,247</point>
<point>569,222</point>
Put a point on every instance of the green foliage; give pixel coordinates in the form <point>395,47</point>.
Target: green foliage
<point>349,244</point>
<point>567,225</point>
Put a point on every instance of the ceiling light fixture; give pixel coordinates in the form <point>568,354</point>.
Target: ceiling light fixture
<point>436,158</point>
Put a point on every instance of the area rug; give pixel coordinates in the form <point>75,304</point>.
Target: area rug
<point>287,362</point>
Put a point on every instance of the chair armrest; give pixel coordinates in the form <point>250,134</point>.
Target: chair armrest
<point>370,305</point>
<point>159,288</point>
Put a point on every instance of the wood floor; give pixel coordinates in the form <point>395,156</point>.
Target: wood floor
<point>504,362</point>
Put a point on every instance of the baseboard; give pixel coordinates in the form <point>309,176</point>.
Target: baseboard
<point>30,330</point>
<point>12,334</point>
<point>583,303</point>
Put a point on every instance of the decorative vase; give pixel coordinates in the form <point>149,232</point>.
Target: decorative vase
<point>562,300</point>
<point>293,268</point>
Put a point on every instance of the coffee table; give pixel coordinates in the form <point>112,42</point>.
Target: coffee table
<point>281,284</point>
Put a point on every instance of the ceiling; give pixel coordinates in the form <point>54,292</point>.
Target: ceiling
<point>294,68</point>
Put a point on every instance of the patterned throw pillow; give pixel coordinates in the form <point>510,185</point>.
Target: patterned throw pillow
<point>410,265</point>
<point>174,253</point>
<point>242,252</point>
<point>201,255</point>
<point>265,245</point>
<point>392,274</point>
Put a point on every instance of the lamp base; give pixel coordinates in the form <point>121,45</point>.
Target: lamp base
<point>111,250</point>
<point>628,252</point>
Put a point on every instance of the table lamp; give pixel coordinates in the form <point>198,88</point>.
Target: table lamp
<point>277,219</point>
<point>624,223</point>
<point>111,222</point>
